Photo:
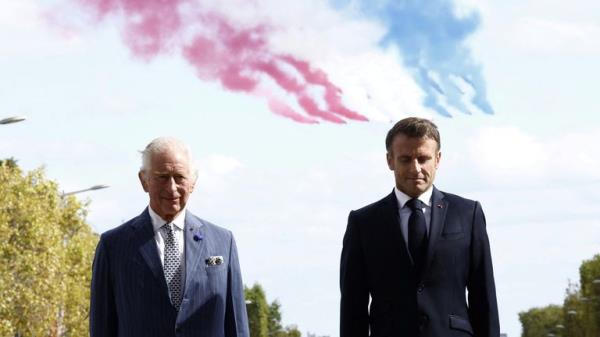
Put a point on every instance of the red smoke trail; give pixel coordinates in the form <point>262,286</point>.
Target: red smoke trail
<point>239,58</point>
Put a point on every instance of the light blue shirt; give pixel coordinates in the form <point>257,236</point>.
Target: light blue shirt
<point>160,236</point>
<point>404,211</point>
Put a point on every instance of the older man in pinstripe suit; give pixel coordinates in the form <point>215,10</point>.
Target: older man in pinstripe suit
<point>167,272</point>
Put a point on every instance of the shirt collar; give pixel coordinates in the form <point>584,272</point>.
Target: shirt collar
<point>402,198</point>
<point>158,222</point>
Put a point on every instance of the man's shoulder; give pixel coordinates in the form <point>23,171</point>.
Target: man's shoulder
<point>455,199</point>
<point>123,229</point>
<point>375,207</point>
<point>208,226</point>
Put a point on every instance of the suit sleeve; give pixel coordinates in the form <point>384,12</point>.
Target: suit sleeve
<point>103,315</point>
<point>483,308</point>
<point>236,318</point>
<point>354,316</point>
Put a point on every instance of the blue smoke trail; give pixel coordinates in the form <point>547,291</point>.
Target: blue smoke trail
<point>431,38</point>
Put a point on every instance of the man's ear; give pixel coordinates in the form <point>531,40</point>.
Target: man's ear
<point>390,160</point>
<point>143,181</point>
<point>193,184</point>
<point>439,157</point>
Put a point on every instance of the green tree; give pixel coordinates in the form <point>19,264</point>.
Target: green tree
<point>275,327</point>
<point>46,251</point>
<point>265,319</point>
<point>258,311</point>
<point>589,279</point>
<point>10,162</point>
<point>291,331</point>
<point>274,318</point>
<point>539,322</point>
<point>574,313</point>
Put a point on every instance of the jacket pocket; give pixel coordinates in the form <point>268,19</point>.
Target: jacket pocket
<point>453,236</point>
<point>459,323</point>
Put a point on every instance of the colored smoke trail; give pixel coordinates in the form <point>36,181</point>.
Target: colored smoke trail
<point>238,57</point>
<point>431,37</point>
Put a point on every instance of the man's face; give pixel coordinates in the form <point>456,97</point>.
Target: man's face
<point>169,182</point>
<point>414,162</point>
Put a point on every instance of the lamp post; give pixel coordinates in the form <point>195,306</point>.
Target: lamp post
<point>93,188</point>
<point>11,120</point>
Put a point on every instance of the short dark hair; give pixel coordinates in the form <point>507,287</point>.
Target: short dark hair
<point>413,127</point>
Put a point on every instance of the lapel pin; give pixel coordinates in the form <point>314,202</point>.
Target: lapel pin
<point>198,237</point>
<point>440,206</point>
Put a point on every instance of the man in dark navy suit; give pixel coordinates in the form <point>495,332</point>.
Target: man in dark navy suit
<point>415,254</point>
<point>166,272</point>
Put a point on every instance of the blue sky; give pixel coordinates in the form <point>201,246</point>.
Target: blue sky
<point>284,188</point>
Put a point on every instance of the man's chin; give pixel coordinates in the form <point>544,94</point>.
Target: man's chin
<point>415,191</point>
<point>171,211</point>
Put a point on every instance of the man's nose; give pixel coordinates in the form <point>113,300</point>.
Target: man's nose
<point>171,184</point>
<point>415,167</point>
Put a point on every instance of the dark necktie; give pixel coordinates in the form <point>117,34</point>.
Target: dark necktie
<point>172,266</point>
<point>417,232</point>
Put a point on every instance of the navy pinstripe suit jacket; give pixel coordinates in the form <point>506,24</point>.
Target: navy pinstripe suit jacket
<point>129,294</point>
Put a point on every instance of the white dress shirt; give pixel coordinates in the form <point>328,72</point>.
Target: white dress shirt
<point>160,235</point>
<point>404,211</point>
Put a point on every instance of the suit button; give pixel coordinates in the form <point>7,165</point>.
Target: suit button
<point>420,287</point>
<point>423,320</point>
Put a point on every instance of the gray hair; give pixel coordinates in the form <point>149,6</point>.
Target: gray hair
<point>164,144</point>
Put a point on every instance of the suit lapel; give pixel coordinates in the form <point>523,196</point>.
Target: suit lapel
<point>439,207</point>
<point>391,218</point>
<point>195,247</point>
<point>144,234</point>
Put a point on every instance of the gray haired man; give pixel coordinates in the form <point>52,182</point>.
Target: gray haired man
<point>167,272</point>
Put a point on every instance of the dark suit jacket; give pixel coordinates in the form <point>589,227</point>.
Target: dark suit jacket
<point>129,294</point>
<point>375,261</point>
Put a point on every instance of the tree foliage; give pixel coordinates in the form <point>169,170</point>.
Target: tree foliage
<point>573,312</point>
<point>275,327</point>
<point>46,251</point>
<point>539,322</point>
<point>258,311</point>
<point>589,278</point>
<point>580,314</point>
<point>265,319</point>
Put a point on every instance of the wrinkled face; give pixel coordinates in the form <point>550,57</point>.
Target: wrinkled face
<point>414,162</point>
<point>169,181</point>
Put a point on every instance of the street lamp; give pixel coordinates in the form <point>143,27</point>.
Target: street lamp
<point>10,120</point>
<point>93,188</point>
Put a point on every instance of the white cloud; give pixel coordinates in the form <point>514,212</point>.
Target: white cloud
<point>217,173</point>
<point>373,80</point>
<point>222,165</point>
<point>28,27</point>
<point>547,35</point>
<point>511,155</point>
<point>19,15</point>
